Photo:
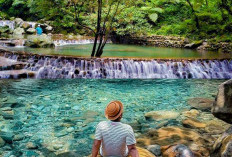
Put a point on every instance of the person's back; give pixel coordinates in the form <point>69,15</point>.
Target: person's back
<point>115,137</point>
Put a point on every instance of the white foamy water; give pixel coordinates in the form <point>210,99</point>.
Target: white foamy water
<point>73,42</point>
<point>52,68</point>
<point>9,23</point>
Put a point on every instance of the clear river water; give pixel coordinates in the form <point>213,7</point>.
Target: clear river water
<point>65,112</point>
<point>127,51</point>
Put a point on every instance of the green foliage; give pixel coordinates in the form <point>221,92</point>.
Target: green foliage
<point>163,17</point>
<point>131,21</point>
<point>153,17</point>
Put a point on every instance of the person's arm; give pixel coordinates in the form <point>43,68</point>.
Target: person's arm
<point>96,146</point>
<point>133,152</point>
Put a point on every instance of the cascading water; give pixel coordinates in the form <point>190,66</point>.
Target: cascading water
<point>10,24</point>
<point>32,24</point>
<point>51,67</point>
<point>73,42</point>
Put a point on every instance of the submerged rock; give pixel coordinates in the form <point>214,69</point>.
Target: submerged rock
<point>2,142</point>
<point>7,136</point>
<point>216,126</point>
<point>222,107</point>
<point>191,114</point>
<point>201,103</point>
<point>31,145</point>
<point>193,123</point>
<point>37,41</point>
<point>7,112</point>
<point>57,146</point>
<point>175,135</point>
<point>161,115</point>
<point>179,150</point>
<point>223,145</point>
<point>155,149</point>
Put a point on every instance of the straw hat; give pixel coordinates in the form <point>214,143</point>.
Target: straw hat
<point>113,110</point>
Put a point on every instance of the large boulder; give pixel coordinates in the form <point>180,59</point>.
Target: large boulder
<point>223,145</point>
<point>18,22</point>
<point>38,41</point>
<point>25,25</point>
<point>48,28</point>
<point>193,45</point>
<point>31,31</point>
<point>19,31</point>
<point>222,107</point>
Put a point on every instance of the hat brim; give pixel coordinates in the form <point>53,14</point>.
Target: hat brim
<point>118,115</point>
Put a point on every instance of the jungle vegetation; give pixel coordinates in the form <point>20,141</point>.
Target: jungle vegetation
<point>195,19</point>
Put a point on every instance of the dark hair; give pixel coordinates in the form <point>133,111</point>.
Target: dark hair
<point>118,119</point>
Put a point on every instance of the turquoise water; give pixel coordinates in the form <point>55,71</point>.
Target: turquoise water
<point>66,112</point>
<point>128,51</point>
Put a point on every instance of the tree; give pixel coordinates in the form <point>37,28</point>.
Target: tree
<point>194,13</point>
<point>104,22</point>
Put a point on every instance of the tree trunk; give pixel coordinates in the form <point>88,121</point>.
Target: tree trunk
<point>105,33</point>
<point>98,27</point>
<point>195,16</point>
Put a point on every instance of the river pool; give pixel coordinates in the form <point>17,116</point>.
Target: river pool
<point>127,51</point>
<point>65,112</point>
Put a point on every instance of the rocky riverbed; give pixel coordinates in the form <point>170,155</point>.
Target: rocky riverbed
<point>58,117</point>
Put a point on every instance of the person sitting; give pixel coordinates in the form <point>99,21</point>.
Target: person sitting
<point>39,30</point>
<point>113,137</point>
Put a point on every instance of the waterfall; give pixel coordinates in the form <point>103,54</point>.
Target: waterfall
<point>103,68</point>
<point>10,24</point>
<point>64,67</point>
<point>73,42</point>
<point>32,24</point>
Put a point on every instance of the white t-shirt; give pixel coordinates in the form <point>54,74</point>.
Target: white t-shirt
<point>115,137</point>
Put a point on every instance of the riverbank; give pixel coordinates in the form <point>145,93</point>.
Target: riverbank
<point>175,42</point>
<point>19,28</point>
